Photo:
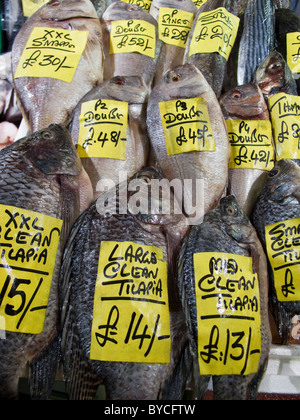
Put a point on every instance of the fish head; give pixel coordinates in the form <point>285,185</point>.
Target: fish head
<point>283,182</point>
<point>66,9</point>
<point>244,102</point>
<point>119,10</point>
<point>131,89</point>
<point>52,151</point>
<point>151,199</point>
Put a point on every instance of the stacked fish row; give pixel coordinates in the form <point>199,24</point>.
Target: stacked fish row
<point>119,256</point>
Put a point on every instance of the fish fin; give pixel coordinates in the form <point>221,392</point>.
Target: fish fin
<point>42,371</point>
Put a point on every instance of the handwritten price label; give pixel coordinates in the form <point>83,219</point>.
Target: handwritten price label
<point>131,321</point>
<point>215,31</point>
<point>103,129</point>
<point>293,51</point>
<point>251,144</point>
<point>143,4</point>
<point>285,117</point>
<point>132,36</point>
<point>174,26</point>
<point>32,6</point>
<point>199,3</point>
<point>28,246</point>
<point>53,53</point>
<point>187,126</point>
<point>228,314</point>
<point>283,249</point>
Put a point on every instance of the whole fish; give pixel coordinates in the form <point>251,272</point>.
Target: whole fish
<point>245,103</point>
<point>43,188</point>
<point>121,32</point>
<point>123,361</point>
<point>279,202</point>
<point>258,38</point>
<point>129,90</point>
<point>224,236</point>
<point>185,86</point>
<point>212,65</point>
<point>174,31</point>
<point>274,76</point>
<point>45,100</point>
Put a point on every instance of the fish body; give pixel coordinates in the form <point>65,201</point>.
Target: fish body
<point>171,56</point>
<point>258,38</point>
<point>245,103</point>
<point>132,91</point>
<point>210,166</point>
<point>38,96</point>
<point>91,233</point>
<point>212,65</point>
<point>226,229</point>
<point>137,62</point>
<point>278,202</point>
<point>42,174</point>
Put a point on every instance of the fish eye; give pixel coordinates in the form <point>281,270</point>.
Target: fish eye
<point>173,76</point>
<point>118,80</point>
<point>236,94</point>
<point>275,66</point>
<point>47,135</point>
<point>145,178</point>
<point>230,210</point>
<point>273,173</point>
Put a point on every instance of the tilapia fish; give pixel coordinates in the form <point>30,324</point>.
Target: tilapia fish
<point>43,187</point>
<point>258,38</point>
<point>276,219</point>
<point>211,64</point>
<point>176,20</point>
<point>103,128</point>
<point>123,325</point>
<point>48,80</point>
<point>274,76</point>
<point>217,260</point>
<point>185,96</point>
<point>245,103</point>
<point>131,42</point>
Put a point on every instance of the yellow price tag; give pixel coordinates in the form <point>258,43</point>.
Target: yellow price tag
<point>283,249</point>
<point>199,3</point>
<point>28,244</point>
<point>32,6</point>
<point>293,51</point>
<point>251,144</point>
<point>285,117</point>
<point>215,31</point>
<point>228,314</point>
<point>132,36</point>
<point>143,4</point>
<point>53,53</point>
<point>131,321</point>
<point>103,129</point>
<point>187,126</point>
<point>174,26</point>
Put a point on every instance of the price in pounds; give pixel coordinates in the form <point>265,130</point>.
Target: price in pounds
<point>243,157</point>
<point>113,137</point>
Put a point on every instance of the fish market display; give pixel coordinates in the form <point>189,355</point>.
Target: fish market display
<point>223,284</point>
<point>250,137</point>
<point>211,40</point>
<point>197,149</point>
<point>131,42</point>
<point>42,190</point>
<point>175,19</point>
<point>57,59</point>
<point>276,218</point>
<point>123,322</point>
<point>258,38</point>
<point>108,128</point>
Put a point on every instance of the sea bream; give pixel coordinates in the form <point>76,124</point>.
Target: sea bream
<point>197,149</point>
<point>227,319</point>
<point>43,189</point>
<point>276,219</point>
<point>123,324</point>
<point>109,129</point>
<point>50,82</point>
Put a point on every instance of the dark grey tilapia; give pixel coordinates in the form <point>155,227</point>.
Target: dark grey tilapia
<point>280,201</point>
<point>226,229</point>
<point>258,38</point>
<point>41,173</point>
<point>79,274</point>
